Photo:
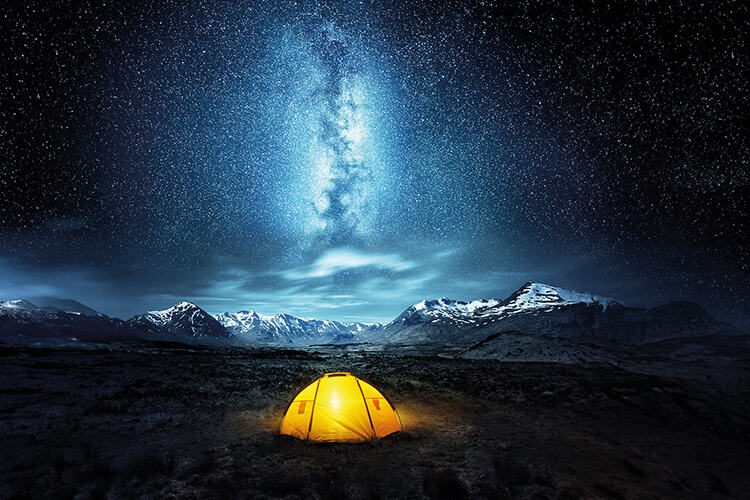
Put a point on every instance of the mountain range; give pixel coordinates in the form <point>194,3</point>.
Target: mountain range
<point>542,310</point>
<point>183,322</point>
<point>256,328</point>
<point>535,310</point>
<point>23,319</point>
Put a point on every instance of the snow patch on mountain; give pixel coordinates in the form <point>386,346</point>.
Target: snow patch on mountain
<point>538,295</point>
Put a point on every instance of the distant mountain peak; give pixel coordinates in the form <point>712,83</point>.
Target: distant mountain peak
<point>184,318</point>
<point>181,306</point>
<point>23,318</point>
<point>442,310</point>
<point>19,304</point>
<point>47,306</point>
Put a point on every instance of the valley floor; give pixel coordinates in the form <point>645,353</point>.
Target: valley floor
<point>168,421</point>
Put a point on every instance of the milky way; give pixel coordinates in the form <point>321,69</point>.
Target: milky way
<point>342,165</point>
<point>345,169</point>
<point>345,159</point>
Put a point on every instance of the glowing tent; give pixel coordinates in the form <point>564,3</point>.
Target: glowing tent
<point>342,408</point>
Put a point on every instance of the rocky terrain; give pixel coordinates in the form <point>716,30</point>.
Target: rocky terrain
<point>161,420</point>
<point>546,394</point>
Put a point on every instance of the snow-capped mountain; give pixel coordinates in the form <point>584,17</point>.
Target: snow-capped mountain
<point>535,309</point>
<point>531,296</point>
<point>24,309</point>
<point>539,309</point>
<point>182,322</point>
<point>21,318</point>
<point>184,319</point>
<point>285,329</point>
<point>443,310</point>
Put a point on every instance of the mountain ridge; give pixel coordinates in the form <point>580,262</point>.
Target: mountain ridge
<point>287,329</point>
<point>549,311</point>
<point>24,319</point>
<point>535,309</point>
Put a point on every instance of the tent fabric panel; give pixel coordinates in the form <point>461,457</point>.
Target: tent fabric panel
<point>383,416</point>
<point>296,421</point>
<point>340,412</point>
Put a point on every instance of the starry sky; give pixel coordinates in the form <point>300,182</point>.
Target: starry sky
<point>343,160</point>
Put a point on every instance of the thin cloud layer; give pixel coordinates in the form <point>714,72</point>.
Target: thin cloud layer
<point>345,259</point>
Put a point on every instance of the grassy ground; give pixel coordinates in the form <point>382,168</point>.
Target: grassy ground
<point>194,423</point>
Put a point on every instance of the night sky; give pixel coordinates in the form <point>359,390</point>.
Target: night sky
<point>343,160</point>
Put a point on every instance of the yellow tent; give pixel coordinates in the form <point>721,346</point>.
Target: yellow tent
<point>340,407</point>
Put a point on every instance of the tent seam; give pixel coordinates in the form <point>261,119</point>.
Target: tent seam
<point>312,410</point>
<point>364,400</point>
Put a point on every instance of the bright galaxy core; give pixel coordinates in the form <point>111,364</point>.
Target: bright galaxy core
<point>334,108</point>
<point>343,160</point>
